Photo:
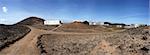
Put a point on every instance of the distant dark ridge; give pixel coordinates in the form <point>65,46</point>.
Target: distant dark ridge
<point>9,34</point>
<point>31,21</point>
<point>5,25</point>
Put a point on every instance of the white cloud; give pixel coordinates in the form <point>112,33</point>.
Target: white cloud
<point>2,20</point>
<point>4,9</point>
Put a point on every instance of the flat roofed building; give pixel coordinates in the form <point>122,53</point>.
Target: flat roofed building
<point>52,22</point>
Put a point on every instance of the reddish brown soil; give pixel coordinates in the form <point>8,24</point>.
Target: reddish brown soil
<point>82,28</point>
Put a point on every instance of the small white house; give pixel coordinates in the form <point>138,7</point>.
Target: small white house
<point>92,23</point>
<point>52,22</point>
<point>129,26</point>
<point>96,23</point>
<point>119,26</point>
<point>135,25</point>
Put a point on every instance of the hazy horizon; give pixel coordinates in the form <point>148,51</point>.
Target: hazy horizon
<point>117,11</point>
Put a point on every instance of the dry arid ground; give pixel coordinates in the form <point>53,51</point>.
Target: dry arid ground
<point>9,34</point>
<point>129,42</point>
<point>73,39</point>
<point>82,28</point>
<point>70,44</point>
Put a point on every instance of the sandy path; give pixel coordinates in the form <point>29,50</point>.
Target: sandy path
<point>25,46</point>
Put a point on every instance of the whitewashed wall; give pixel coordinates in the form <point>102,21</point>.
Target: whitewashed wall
<point>52,22</point>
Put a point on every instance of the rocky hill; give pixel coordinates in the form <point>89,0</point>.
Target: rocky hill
<point>31,21</point>
<point>11,33</point>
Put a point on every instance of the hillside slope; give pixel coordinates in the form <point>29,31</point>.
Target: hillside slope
<point>25,46</point>
<point>11,33</point>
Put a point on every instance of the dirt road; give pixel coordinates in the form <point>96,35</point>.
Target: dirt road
<point>25,46</point>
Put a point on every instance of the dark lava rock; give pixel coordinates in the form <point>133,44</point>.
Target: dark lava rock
<point>145,49</point>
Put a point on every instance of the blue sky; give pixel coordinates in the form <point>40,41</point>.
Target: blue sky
<point>121,11</point>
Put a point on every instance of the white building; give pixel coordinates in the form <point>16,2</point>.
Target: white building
<point>92,23</point>
<point>129,26</point>
<point>135,25</point>
<point>119,26</point>
<point>96,23</point>
<point>52,22</point>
